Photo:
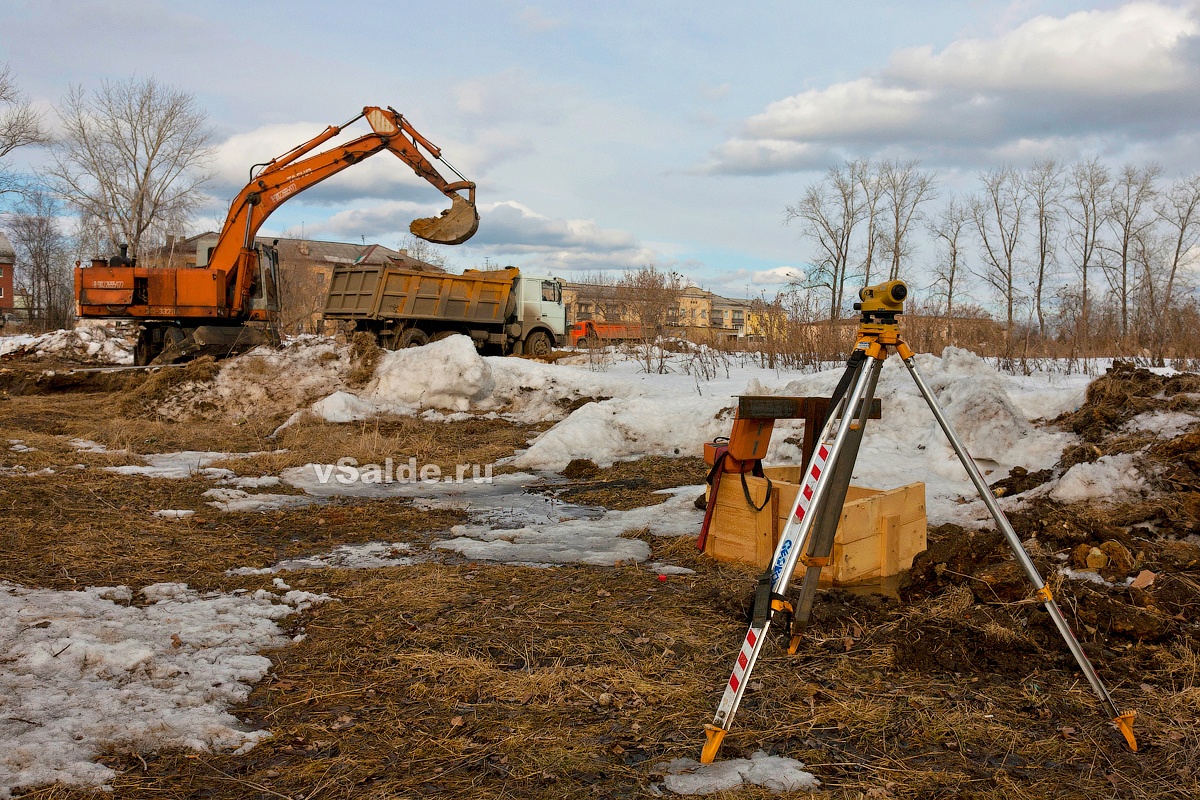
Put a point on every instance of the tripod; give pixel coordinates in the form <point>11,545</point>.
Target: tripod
<point>812,525</point>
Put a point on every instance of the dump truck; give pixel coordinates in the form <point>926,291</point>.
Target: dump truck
<point>184,312</point>
<point>590,333</point>
<point>502,310</point>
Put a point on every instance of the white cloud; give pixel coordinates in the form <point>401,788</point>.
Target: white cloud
<point>779,276</point>
<point>513,231</point>
<point>386,222</point>
<point>384,176</point>
<point>509,232</point>
<point>532,19</point>
<point>861,107</point>
<point>1134,48</point>
<point>1103,78</point>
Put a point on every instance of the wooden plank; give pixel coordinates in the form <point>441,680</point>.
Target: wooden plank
<point>775,407</point>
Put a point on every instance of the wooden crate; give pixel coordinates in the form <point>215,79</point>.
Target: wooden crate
<point>878,535</point>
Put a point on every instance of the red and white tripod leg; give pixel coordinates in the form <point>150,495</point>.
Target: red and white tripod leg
<point>791,544</point>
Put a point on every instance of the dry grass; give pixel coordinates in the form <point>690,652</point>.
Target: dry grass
<point>479,680</point>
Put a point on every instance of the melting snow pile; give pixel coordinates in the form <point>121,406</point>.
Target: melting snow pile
<point>89,341</point>
<point>1107,478</point>
<point>264,381</point>
<point>633,414</point>
<point>774,773</point>
<point>84,672</point>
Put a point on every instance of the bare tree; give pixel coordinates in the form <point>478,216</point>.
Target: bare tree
<point>949,230</point>
<point>1043,184</point>
<point>422,250</point>
<point>1129,214</point>
<point>868,181</point>
<point>1087,186</point>
<point>652,299</point>
<point>828,213</point>
<point>904,187</point>
<point>1179,212</point>
<point>20,125</point>
<point>43,267</point>
<point>997,214</point>
<point>131,156</point>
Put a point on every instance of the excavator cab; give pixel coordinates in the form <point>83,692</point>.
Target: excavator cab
<point>265,294</point>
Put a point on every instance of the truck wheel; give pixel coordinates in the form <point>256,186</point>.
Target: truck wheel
<point>413,337</point>
<point>143,350</point>
<point>537,344</point>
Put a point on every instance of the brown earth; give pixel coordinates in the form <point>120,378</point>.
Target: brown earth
<point>459,679</point>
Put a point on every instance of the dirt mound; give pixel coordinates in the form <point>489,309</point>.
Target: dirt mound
<point>364,357</point>
<point>950,559</point>
<point>144,399</point>
<point>1124,392</point>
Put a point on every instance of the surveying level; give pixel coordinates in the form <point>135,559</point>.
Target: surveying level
<point>812,524</point>
<point>886,297</point>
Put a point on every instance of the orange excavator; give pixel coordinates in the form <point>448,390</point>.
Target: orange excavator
<point>183,312</point>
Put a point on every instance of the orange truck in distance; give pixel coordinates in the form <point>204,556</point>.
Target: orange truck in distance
<point>590,333</point>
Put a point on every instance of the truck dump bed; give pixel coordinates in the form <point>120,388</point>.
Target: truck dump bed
<point>361,291</point>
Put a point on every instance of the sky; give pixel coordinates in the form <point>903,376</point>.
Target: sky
<point>608,136</point>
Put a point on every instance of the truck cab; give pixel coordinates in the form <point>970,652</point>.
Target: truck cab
<point>541,305</point>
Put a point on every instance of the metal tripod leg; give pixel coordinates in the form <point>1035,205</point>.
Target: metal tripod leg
<point>792,541</point>
<point>1124,722</point>
<point>828,515</point>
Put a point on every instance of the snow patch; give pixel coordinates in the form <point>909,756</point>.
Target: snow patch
<point>84,674</point>
<point>1108,477</point>
<point>777,774</point>
<point>91,341</point>
<point>183,464</point>
<point>371,555</point>
<point>174,514</point>
<point>237,500</point>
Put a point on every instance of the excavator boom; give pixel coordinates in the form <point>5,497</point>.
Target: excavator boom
<point>181,306</point>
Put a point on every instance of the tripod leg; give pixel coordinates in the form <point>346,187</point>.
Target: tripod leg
<point>830,512</point>
<point>817,482</point>
<point>1124,722</point>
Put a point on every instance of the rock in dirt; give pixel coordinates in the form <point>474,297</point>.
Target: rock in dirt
<point>1020,480</point>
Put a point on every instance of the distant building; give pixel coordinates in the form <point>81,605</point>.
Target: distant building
<point>8,260</point>
<point>695,309</point>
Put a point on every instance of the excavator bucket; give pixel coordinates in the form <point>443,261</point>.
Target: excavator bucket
<point>453,226</point>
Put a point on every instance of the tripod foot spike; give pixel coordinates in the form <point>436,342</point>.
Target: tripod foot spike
<point>715,736</point>
<point>1124,724</point>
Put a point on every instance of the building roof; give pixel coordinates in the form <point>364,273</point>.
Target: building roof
<point>7,254</point>
<point>320,253</point>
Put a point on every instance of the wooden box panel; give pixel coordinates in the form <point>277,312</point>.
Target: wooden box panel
<point>878,535</point>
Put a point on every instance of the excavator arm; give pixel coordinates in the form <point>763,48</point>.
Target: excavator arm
<point>295,171</point>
